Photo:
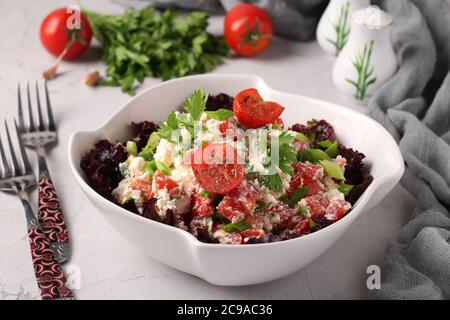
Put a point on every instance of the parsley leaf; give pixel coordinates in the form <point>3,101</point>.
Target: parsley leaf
<point>166,128</point>
<point>296,196</point>
<point>272,182</point>
<point>262,206</point>
<point>285,138</point>
<point>286,156</point>
<point>145,43</point>
<point>195,104</point>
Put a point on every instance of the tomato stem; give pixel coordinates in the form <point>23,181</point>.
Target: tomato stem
<point>252,36</point>
<point>52,72</point>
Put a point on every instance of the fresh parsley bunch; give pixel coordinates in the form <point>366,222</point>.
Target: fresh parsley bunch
<point>146,43</point>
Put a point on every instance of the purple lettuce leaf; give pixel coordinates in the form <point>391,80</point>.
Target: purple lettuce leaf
<point>101,166</point>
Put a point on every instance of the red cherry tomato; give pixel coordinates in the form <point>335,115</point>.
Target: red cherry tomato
<point>248,29</point>
<point>217,168</point>
<point>163,181</point>
<point>145,187</point>
<point>55,35</point>
<point>252,111</point>
<point>201,206</point>
<point>306,174</point>
<point>239,203</point>
<point>252,233</point>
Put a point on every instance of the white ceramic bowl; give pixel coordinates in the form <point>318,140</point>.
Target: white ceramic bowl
<point>247,264</point>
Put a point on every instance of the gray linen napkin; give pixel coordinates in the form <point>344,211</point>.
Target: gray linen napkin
<point>414,105</point>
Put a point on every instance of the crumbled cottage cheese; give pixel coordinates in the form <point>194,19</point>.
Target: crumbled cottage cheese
<point>136,166</point>
<point>211,129</point>
<point>185,177</point>
<point>124,192</point>
<point>165,152</point>
<point>164,203</point>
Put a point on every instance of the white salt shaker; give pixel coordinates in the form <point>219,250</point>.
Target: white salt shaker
<point>368,59</point>
<point>334,26</point>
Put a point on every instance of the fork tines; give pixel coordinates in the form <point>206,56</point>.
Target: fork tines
<point>13,165</point>
<point>41,125</point>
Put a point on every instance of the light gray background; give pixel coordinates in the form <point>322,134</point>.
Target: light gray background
<point>110,268</point>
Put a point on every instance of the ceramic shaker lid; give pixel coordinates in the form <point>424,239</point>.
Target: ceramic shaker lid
<point>372,17</point>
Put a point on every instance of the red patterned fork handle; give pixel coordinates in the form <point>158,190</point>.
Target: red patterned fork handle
<point>50,214</point>
<point>50,278</point>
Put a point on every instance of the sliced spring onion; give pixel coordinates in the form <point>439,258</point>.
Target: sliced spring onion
<point>315,155</point>
<point>301,137</point>
<point>298,195</point>
<point>237,227</point>
<point>345,188</point>
<point>303,211</point>
<point>220,114</point>
<point>163,168</point>
<point>150,167</point>
<point>132,148</point>
<point>325,144</point>
<point>332,150</point>
<point>332,169</point>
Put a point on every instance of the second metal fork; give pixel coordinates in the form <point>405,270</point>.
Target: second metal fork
<point>38,137</point>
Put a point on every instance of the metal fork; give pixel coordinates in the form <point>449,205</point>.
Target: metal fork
<point>16,177</point>
<point>38,137</point>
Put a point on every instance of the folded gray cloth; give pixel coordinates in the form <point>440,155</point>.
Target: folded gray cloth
<point>414,105</point>
<point>293,19</point>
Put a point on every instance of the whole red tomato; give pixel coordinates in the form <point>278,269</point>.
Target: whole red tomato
<point>248,29</point>
<point>55,35</point>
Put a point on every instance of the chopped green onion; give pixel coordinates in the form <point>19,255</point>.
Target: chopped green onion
<point>332,150</point>
<point>303,210</point>
<point>301,137</point>
<point>262,206</point>
<point>217,217</point>
<point>332,169</point>
<point>132,148</point>
<point>220,114</point>
<point>149,150</point>
<point>325,144</point>
<point>315,155</point>
<point>298,195</point>
<point>150,167</point>
<point>153,141</point>
<point>237,227</point>
<point>205,194</point>
<point>128,200</point>
<point>345,188</point>
<point>163,168</point>
<point>312,224</point>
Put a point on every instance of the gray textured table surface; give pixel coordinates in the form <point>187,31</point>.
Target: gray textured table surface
<point>108,266</point>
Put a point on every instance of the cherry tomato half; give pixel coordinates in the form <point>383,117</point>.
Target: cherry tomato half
<point>217,168</point>
<point>55,35</point>
<point>252,111</point>
<point>248,29</point>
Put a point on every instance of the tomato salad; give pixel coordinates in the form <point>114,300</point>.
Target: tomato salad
<point>228,171</point>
